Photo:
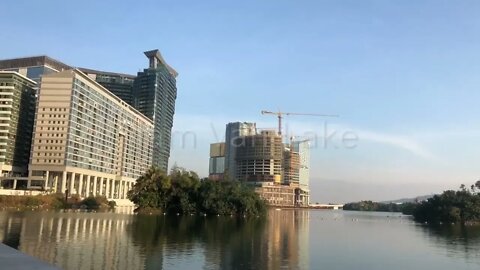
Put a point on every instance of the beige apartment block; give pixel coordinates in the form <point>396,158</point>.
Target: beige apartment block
<point>86,140</point>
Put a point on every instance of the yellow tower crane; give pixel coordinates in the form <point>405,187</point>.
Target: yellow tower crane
<point>280,115</point>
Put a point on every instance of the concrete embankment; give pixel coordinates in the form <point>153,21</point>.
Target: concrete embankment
<point>13,259</point>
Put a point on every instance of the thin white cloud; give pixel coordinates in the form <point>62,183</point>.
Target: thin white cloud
<point>403,142</point>
<point>210,130</point>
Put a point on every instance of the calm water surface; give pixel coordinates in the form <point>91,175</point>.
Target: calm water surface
<point>287,239</point>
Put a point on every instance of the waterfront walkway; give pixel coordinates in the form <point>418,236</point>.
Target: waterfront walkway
<point>13,259</point>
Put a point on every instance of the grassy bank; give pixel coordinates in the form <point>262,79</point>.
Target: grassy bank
<point>52,202</point>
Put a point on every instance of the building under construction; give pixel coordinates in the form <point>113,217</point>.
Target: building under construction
<point>259,158</point>
<point>277,170</point>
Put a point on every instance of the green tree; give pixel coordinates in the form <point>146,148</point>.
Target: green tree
<point>450,206</point>
<point>151,190</point>
<point>183,192</point>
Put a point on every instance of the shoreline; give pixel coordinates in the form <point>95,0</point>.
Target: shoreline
<point>14,259</point>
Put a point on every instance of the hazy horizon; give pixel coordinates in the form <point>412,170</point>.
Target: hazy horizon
<point>402,75</point>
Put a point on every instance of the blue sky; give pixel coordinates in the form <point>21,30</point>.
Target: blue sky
<point>402,75</point>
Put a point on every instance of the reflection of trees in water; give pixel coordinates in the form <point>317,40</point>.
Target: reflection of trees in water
<point>97,240</point>
<point>456,238</point>
<point>228,243</point>
<point>223,238</point>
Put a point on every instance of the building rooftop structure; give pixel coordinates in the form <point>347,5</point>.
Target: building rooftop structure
<point>106,73</point>
<point>155,58</point>
<point>33,61</point>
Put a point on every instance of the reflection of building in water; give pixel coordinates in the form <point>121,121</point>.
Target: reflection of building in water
<point>279,242</point>
<point>283,238</point>
<point>303,233</point>
<point>118,241</point>
<point>76,241</point>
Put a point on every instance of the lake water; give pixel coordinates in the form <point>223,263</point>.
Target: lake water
<point>287,239</point>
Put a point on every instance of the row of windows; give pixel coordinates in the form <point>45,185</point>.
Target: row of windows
<point>53,128</point>
<point>61,135</point>
<point>49,147</point>
<point>58,161</point>
<point>52,122</point>
<point>52,141</point>
<point>50,154</point>
<point>54,109</point>
<point>54,115</point>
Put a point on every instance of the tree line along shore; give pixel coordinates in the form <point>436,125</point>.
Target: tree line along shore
<point>181,192</point>
<point>452,206</point>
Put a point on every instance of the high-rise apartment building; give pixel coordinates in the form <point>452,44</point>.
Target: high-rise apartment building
<point>259,159</point>
<point>151,98</point>
<point>119,84</point>
<point>17,110</point>
<point>87,141</point>
<point>234,137</point>
<point>155,92</point>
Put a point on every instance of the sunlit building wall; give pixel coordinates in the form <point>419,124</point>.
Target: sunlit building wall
<point>87,141</point>
<point>291,166</point>
<point>303,149</point>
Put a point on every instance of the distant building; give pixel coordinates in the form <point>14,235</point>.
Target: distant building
<point>17,112</point>
<point>155,92</point>
<point>87,140</point>
<point>303,150</point>
<point>291,166</point>
<point>279,172</point>
<point>278,195</point>
<point>217,162</point>
<point>119,84</point>
<point>234,137</point>
<point>259,159</point>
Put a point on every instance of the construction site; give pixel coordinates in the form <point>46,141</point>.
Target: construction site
<point>278,170</point>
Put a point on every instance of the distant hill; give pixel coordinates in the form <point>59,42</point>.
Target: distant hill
<point>418,198</point>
